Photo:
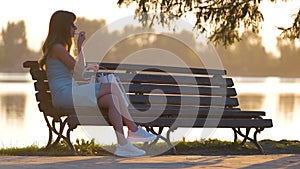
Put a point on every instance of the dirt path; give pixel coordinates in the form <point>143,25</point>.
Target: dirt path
<point>175,162</point>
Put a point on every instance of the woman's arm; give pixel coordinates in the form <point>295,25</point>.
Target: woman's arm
<point>80,64</point>
<point>77,67</point>
<point>60,52</point>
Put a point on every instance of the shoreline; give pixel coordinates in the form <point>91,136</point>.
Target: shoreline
<point>15,77</point>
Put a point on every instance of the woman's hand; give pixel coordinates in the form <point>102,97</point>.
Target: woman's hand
<point>92,66</point>
<point>81,38</point>
<point>89,67</point>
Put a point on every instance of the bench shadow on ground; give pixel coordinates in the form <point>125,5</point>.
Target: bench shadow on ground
<point>290,162</point>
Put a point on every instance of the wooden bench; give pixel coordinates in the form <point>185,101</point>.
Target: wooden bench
<point>161,98</point>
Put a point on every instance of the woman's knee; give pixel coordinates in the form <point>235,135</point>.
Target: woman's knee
<point>108,88</point>
<point>109,100</point>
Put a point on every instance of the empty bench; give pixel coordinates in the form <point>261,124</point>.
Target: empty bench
<point>162,97</point>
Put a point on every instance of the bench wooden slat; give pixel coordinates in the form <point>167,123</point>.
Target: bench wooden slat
<point>150,88</point>
<point>155,89</point>
<point>31,64</point>
<point>168,79</point>
<point>221,101</point>
<point>178,112</point>
<point>164,79</point>
<point>143,107</point>
<point>155,111</point>
<point>155,68</point>
<point>41,86</point>
<point>160,79</point>
<point>207,123</point>
<point>216,101</point>
<point>211,112</point>
<point>37,74</point>
<point>43,96</point>
<point>177,122</point>
<point>184,90</point>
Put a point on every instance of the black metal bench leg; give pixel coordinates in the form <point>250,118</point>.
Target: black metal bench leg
<point>235,135</point>
<point>59,133</point>
<point>169,141</point>
<point>67,137</point>
<point>68,140</point>
<point>49,144</point>
<point>246,135</point>
<point>150,129</point>
<point>253,140</point>
<point>159,136</point>
<point>52,129</point>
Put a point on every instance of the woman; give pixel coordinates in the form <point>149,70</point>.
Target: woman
<point>59,65</point>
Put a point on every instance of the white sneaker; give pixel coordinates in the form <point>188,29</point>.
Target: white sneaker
<point>140,135</point>
<point>128,150</point>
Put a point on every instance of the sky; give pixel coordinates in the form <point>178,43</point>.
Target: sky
<point>36,15</point>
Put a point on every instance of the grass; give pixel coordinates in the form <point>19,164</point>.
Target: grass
<point>202,147</point>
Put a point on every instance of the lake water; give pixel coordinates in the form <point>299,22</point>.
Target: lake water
<point>21,123</point>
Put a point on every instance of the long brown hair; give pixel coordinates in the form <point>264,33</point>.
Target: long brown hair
<point>59,33</point>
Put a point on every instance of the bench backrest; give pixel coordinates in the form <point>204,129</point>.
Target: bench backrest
<point>155,86</point>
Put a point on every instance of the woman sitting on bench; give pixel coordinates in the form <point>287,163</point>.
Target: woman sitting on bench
<point>59,65</point>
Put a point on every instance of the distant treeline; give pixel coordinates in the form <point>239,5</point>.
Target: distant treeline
<point>249,58</point>
<point>245,58</point>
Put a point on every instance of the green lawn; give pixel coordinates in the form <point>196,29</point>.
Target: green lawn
<point>203,147</point>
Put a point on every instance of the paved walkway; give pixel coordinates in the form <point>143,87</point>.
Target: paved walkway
<point>289,161</point>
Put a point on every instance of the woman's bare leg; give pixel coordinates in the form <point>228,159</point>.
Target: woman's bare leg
<point>115,118</point>
<point>110,88</point>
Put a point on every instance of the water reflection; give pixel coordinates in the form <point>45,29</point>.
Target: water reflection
<point>251,101</point>
<point>286,106</point>
<point>21,123</point>
<point>13,107</point>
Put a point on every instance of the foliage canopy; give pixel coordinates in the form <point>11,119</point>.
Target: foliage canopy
<point>220,20</point>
